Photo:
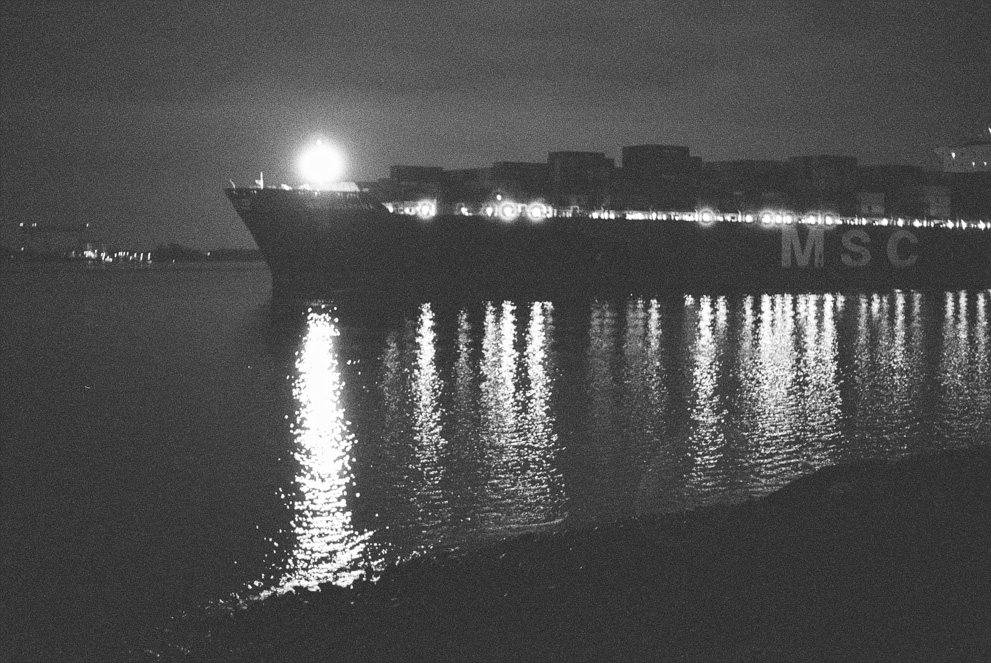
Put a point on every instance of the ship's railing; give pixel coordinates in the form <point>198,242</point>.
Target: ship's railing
<point>302,191</point>
<point>349,199</point>
<point>510,211</point>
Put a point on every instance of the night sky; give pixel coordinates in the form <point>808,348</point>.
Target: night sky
<point>133,116</point>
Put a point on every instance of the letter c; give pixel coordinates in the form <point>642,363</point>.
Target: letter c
<point>896,237</point>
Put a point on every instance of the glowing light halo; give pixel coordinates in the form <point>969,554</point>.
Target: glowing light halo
<point>426,209</point>
<point>509,211</point>
<point>322,164</point>
<point>537,211</point>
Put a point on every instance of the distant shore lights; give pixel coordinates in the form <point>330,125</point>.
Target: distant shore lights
<point>322,164</point>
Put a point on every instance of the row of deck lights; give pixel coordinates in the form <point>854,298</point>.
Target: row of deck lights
<point>538,211</point>
<point>505,210</point>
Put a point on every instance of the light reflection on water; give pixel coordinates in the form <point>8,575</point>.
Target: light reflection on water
<point>506,417</point>
<point>326,546</point>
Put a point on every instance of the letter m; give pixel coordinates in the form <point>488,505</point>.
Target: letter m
<point>791,243</point>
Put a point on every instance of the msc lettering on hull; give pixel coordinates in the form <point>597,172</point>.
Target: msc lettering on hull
<point>856,245</point>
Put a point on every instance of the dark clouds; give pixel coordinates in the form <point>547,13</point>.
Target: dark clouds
<point>136,114</point>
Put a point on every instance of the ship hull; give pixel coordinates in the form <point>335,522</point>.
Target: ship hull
<point>326,252</point>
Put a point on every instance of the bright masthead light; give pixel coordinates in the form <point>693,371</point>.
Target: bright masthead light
<point>322,164</point>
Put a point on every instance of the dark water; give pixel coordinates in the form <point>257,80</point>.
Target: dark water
<point>168,440</point>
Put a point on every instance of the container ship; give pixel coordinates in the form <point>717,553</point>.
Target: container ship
<point>332,241</point>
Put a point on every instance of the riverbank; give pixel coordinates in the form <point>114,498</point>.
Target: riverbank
<point>880,561</point>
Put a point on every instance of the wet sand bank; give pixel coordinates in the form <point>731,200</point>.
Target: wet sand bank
<point>879,561</point>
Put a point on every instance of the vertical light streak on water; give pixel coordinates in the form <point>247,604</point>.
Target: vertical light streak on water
<point>953,364</point>
<point>888,374</point>
<point>919,334</point>
<point>877,361</point>
<point>774,414</point>
<point>606,470</point>
<point>982,359</point>
<point>908,374</point>
<point>602,384</point>
<point>539,421</point>
<point>508,358</point>
<point>498,372</point>
<point>827,375</point>
<point>651,409</point>
<point>817,395</point>
<point>657,361</point>
<point>965,403</point>
<point>327,548</point>
<point>638,387</point>
<point>543,483</point>
<point>428,440</point>
<point>465,412</point>
<point>635,372</point>
<point>427,384</point>
<point>689,349</point>
<point>391,386</point>
<point>498,421</point>
<point>393,494</point>
<point>861,369</point>
<point>748,398</point>
<point>523,486</point>
<point>492,417</point>
<point>707,437</point>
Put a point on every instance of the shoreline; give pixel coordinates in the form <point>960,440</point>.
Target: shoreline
<point>874,561</point>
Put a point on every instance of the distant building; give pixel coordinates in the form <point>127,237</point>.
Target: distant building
<point>415,182</point>
<point>467,185</point>
<point>659,177</point>
<point>520,180</point>
<point>824,183</point>
<point>936,201</point>
<point>580,179</point>
<point>870,203</point>
<point>746,185</point>
<point>410,175</point>
<point>898,186</point>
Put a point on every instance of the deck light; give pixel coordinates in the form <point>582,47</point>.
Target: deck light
<point>322,164</point>
<point>508,211</point>
<point>537,211</point>
<point>426,209</point>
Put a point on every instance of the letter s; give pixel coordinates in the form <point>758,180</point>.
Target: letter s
<point>864,254</point>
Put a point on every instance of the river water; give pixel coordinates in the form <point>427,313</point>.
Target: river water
<point>170,440</point>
